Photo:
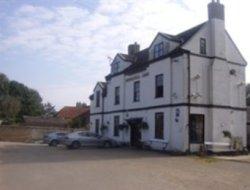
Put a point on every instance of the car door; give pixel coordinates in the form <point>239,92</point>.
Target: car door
<point>61,136</point>
<point>94,139</point>
<point>85,139</point>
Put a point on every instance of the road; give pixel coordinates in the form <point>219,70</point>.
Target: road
<point>39,167</point>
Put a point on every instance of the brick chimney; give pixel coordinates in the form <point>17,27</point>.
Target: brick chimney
<point>133,49</point>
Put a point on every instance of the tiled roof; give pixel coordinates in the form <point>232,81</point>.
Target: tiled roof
<point>70,112</point>
<point>140,61</point>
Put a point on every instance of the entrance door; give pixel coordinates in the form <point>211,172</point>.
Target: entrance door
<point>135,136</point>
<point>196,130</point>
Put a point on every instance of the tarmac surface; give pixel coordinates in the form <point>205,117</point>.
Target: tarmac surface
<point>39,167</point>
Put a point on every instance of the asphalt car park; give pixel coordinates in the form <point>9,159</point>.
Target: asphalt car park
<point>39,167</point>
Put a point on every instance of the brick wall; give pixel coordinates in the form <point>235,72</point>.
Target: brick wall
<point>26,133</point>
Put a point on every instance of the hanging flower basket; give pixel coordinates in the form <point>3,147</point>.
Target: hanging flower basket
<point>227,134</point>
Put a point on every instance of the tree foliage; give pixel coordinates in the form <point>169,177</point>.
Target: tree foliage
<point>81,104</point>
<point>17,100</point>
<point>49,110</point>
<point>78,122</point>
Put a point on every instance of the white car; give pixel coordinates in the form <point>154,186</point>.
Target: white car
<point>78,139</point>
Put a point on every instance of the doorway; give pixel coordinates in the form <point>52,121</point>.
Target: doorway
<point>135,136</point>
<point>196,129</point>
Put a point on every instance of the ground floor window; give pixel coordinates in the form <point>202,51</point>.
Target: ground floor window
<point>196,129</point>
<point>159,125</point>
<point>116,125</point>
<point>97,126</point>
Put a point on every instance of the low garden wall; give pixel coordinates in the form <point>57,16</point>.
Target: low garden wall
<point>27,133</point>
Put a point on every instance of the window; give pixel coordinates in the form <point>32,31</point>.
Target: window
<point>117,95</point>
<point>159,86</point>
<point>97,126</point>
<point>116,126</point>
<point>137,91</point>
<point>203,48</point>
<point>159,125</point>
<point>196,130</point>
<point>98,94</point>
<point>158,50</point>
<point>115,67</point>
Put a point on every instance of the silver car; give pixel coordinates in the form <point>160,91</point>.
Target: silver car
<point>54,138</point>
<point>77,140</point>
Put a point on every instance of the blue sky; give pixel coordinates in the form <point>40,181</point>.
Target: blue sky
<point>60,47</point>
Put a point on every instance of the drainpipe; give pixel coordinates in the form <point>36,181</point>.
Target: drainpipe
<point>189,98</point>
<point>102,118</point>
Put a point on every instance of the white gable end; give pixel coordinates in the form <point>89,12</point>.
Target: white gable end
<point>119,65</point>
<point>193,44</point>
<point>232,52</point>
<point>167,44</point>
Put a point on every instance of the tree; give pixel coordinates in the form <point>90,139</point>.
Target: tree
<point>17,100</point>
<point>10,107</point>
<point>78,122</point>
<point>81,104</point>
<point>4,85</point>
<point>49,110</point>
<point>31,101</point>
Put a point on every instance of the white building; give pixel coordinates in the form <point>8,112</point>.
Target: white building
<point>181,91</point>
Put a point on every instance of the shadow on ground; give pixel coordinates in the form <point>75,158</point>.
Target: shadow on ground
<point>30,153</point>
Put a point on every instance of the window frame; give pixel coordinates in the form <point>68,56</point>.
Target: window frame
<point>203,46</point>
<point>117,95</point>
<point>136,91</point>
<point>159,89</point>
<point>116,126</point>
<point>158,50</point>
<point>159,130</point>
<point>98,99</point>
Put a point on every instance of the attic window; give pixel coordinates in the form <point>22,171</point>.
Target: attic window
<point>203,48</point>
<point>158,50</point>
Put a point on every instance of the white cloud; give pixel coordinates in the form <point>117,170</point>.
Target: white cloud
<point>81,40</point>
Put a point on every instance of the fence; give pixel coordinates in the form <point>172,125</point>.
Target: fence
<point>26,133</point>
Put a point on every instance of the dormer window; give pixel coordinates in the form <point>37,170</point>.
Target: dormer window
<point>115,67</point>
<point>203,48</point>
<point>158,50</point>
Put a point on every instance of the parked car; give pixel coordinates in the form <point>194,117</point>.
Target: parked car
<point>77,140</point>
<point>54,138</point>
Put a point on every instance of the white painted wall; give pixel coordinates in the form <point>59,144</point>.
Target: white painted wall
<point>211,84</point>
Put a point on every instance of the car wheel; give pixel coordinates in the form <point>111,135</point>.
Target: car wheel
<point>54,143</point>
<point>107,144</point>
<point>75,145</point>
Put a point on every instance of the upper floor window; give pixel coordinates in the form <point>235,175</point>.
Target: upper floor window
<point>116,125</point>
<point>203,48</point>
<point>97,103</point>
<point>115,67</point>
<point>159,86</point>
<point>137,91</point>
<point>159,125</point>
<point>158,50</point>
<point>117,95</point>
